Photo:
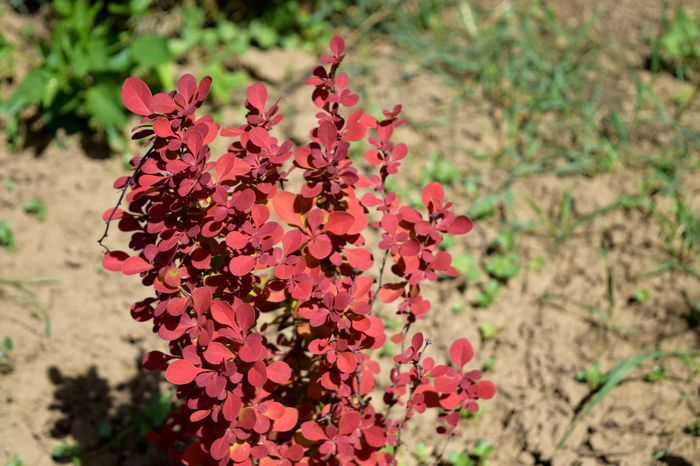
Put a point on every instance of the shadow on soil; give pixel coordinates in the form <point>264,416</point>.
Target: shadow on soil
<point>105,426</point>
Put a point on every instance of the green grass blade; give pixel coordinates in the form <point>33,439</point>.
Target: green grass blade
<point>615,377</point>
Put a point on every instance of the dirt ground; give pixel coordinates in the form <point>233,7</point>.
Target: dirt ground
<point>76,349</point>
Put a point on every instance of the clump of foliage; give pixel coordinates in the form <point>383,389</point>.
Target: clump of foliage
<point>262,281</point>
<point>678,46</point>
<point>76,82</point>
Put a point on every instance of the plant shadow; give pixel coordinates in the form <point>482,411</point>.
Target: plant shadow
<point>106,426</point>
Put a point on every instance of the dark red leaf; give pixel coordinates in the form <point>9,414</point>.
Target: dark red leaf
<point>181,372</point>
<point>137,97</point>
<point>134,265</point>
<point>257,96</point>
<point>279,372</point>
<point>312,431</point>
<point>461,352</point>
<point>114,260</point>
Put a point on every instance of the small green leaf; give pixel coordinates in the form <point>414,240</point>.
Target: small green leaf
<point>641,295</point>
<point>459,458</point>
<point>265,36</point>
<point>487,295</point>
<point>657,374</point>
<point>15,461</point>
<point>104,106</point>
<point>104,428</point>
<point>482,449</point>
<point>593,376</point>
<point>37,207</point>
<point>467,266</point>
<point>8,344</point>
<point>65,451</point>
<point>488,330</point>
<point>489,364</point>
<point>483,207</point>
<point>421,452</point>
<point>7,238</point>
<point>505,240</point>
<point>503,266</point>
<point>150,51</point>
<point>536,264</point>
<point>693,428</point>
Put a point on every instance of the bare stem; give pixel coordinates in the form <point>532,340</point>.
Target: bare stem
<point>121,197</point>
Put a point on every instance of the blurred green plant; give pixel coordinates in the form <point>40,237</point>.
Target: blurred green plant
<point>593,376</point>
<point>6,362</point>
<point>678,46</point>
<point>15,461</point>
<point>693,428</point>
<point>488,330</point>
<point>527,62</point>
<point>7,237</point>
<point>76,83</point>
<point>37,207</point>
<point>487,294</point>
<point>478,456</point>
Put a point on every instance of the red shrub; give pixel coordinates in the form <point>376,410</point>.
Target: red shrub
<point>264,295</point>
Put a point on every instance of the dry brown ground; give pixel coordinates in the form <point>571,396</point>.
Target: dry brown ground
<point>76,348</point>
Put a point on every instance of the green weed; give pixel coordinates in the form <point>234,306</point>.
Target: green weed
<point>37,207</point>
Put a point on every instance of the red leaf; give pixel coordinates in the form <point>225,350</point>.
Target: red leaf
<point>219,448</point>
<point>327,133</point>
<point>239,452</point>
<point>187,86</point>
<point>257,375</point>
<point>337,46</point>
<point>253,349</point>
<point>216,353</point>
<point>360,258</point>
<point>287,421</point>
<point>137,97</point>
<point>274,410</point>
<point>339,222</point>
<point>485,390</point>
<point>242,265</point>
<point>434,193</point>
<point>461,352</point>
<point>134,265</point>
<point>260,137</point>
<point>114,260</point>
<point>257,96</point>
<point>312,431</point>
<point>374,436</point>
<point>347,362</point>
<point>118,213</point>
<point>182,372</point>
<point>279,372</point>
<point>284,205</point>
<point>162,128</point>
<point>451,401</point>
<point>155,360</point>
<point>201,299</point>
<point>245,316</point>
<point>349,422</point>
<point>460,226</point>
<point>222,312</point>
<point>391,292</point>
<point>321,247</point>
<point>163,103</point>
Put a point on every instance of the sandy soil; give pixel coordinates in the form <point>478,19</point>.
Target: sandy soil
<point>74,370</point>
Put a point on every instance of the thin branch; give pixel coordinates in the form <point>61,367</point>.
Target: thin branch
<point>121,197</point>
<point>381,277</point>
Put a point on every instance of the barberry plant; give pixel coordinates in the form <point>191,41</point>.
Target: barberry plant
<point>265,287</point>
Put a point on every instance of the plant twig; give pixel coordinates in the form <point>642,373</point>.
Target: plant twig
<point>119,201</point>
